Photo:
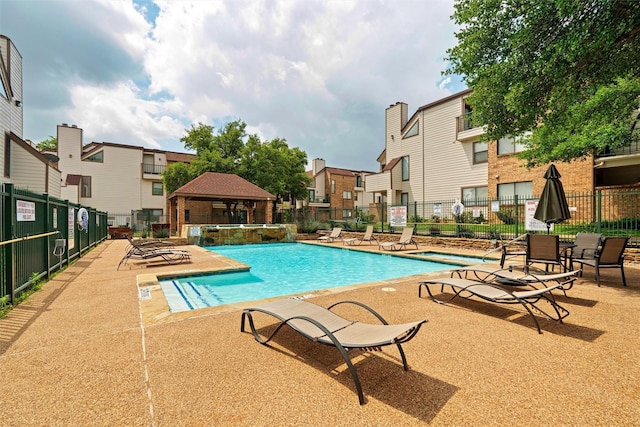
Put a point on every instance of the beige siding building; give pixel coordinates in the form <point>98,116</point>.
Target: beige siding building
<point>22,164</point>
<point>116,178</point>
<point>426,159</point>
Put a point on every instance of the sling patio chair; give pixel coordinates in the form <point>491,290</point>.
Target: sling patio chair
<point>146,244</point>
<point>512,249</point>
<point>368,237</point>
<point>585,247</point>
<point>336,233</point>
<point>514,277</point>
<point>611,255</point>
<point>405,239</point>
<point>322,325</point>
<point>544,249</point>
<point>529,299</point>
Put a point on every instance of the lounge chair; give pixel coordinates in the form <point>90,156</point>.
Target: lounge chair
<point>513,277</point>
<point>168,255</point>
<point>585,247</point>
<point>146,244</point>
<point>336,233</point>
<point>611,255</point>
<point>544,249</point>
<point>324,326</point>
<point>368,237</point>
<point>529,299</point>
<point>405,239</point>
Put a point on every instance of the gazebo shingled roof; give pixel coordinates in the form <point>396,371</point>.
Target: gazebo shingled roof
<point>222,186</point>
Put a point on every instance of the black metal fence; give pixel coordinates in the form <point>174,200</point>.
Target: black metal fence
<point>610,212</point>
<point>39,234</point>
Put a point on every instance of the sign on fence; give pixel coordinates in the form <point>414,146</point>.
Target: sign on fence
<point>398,216</point>
<point>532,224</point>
<point>25,211</point>
<point>71,227</point>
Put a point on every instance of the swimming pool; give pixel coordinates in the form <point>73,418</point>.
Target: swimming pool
<point>279,269</point>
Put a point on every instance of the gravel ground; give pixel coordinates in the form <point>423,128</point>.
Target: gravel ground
<point>87,351</point>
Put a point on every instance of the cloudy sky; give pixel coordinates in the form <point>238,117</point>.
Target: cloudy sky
<point>316,73</point>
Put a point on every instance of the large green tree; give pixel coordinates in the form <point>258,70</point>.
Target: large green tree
<point>567,70</point>
<point>271,165</point>
<point>50,143</point>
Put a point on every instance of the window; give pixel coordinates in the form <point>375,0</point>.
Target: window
<point>359,181</point>
<point>333,186</point>
<point>312,195</point>
<point>156,189</point>
<point>413,131</point>
<point>187,215</point>
<point>3,90</point>
<point>404,199</point>
<point>85,187</point>
<point>510,145</point>
<point>346,213</point>
<point>512,188</point>
<point>475,196</point>
<point>480,152</point>
<point>405,168</point>
<point>153,215</point>
<point>346,195</point>
<point>7,155</point>
<point>97,157</point>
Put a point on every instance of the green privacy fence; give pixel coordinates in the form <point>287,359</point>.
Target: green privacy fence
<point>39,234</point>
<point>612,212</point>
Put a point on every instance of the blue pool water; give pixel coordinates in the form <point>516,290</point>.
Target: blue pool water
<point>454,257</point>
<point>287,268</point>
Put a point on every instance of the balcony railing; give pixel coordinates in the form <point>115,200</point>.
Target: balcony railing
<point>464,122</point>
<point>621,151</point>
<point>151,169</point>
<point>319,200</point>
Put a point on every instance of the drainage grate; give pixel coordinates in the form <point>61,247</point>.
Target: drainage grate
<point>144,293</point>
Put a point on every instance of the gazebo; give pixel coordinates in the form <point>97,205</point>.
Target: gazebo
<point>219,198</point>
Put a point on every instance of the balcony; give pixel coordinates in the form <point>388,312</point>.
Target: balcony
<point>622,156</point>
<point>378,182</point>
<point>465,129</point>
<point>319,202</point>
<point>152,171</point>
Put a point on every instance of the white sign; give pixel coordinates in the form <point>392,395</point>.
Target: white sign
<point>437,209</point>
<point>25,211</point>
<point>530,223</point>
<point>398,216</point>
<point>194,231</point>
<point>476,212</point>
<point>457,208</point>
<point>495,206</point>
<point>55,217</point>
<point>71,227</point>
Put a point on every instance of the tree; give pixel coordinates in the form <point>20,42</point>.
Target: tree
<point>50,143</point>
<point>176,175</point>
<point>566,70</point>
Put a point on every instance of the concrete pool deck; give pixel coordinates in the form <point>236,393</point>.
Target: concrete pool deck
<point>86,350</point>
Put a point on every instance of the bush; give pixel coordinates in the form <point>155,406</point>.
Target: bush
<point>506,216</point>
<point>434,231</point>
<point>465,232</point>
<point>416,218</point>
<point>309,226</point>
<point>494,234</point>
<point>161,233</point>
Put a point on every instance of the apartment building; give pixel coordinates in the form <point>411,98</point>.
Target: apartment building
<point>339,190</point>
<point>427,158</point>
<point>116,178</point>
<point>22,164</point>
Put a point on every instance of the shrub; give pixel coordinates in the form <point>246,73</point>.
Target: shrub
<point>309,226</point>
<point>434,231</point>
<point>506,216</point>
<point>161,233</point>
<point>465,232</point>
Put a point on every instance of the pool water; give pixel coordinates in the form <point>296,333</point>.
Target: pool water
<point>279,269</point>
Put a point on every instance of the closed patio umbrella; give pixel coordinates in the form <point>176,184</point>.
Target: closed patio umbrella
<point>552,206</point>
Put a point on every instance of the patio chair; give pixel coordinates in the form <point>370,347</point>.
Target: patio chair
<point>147,244</point>
<point>585,247</point>
<point>322,325</point>
<point>336,233</point>
<point>529,299</point>
<point>368,237</point>
<point>611,255</point>
<point>405,239</point>
<point>544,249</point>
<point>511,249</point>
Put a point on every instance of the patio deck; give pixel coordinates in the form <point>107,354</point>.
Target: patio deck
<point>85,350</point>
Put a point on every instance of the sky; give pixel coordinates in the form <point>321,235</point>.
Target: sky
<point>319,74</point>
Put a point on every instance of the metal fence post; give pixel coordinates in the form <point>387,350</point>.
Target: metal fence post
<point>599,211</point>
<point>10,218</point>
<point>516,214</point>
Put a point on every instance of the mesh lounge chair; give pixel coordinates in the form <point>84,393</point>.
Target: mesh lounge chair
<point>544,249</point>
<point>165,254</point>
<point>405,239</point>
<point>514,277</point>
<point>368,237</point>
<point>610,256</point>
<point>529,299</point>
<point>336,233</point>
<point>512,249</point>
<point>586,247</point>
<point>324,326</point>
